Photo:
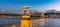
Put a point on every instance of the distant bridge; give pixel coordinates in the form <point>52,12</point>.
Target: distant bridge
<point>24,11</point>
<point>7,14</point>
<point>17,15</point>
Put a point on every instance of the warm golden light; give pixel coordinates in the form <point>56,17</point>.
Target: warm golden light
<point>25,17</point>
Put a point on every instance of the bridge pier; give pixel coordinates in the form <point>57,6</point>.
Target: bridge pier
<point>26,22</point>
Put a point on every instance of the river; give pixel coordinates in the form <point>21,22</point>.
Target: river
<point>46,22</point>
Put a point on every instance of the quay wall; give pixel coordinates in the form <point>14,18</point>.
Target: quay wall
<point>46,16</point>
<point>52,16</point>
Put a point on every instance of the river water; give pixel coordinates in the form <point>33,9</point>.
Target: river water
<point>46,22</point>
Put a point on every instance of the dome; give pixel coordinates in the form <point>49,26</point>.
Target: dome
<point>26,6</point>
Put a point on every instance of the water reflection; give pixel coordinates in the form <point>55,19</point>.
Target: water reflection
<point>38,23</point>
<point>46,22</point>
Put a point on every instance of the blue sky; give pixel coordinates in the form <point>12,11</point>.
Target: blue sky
<point>39,5</point>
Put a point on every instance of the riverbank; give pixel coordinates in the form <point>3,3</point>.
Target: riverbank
<point>52,16</point>
<point>45,16</point>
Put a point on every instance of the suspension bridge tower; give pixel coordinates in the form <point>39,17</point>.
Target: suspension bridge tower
<point>26,10</point>
<point>26,22</point>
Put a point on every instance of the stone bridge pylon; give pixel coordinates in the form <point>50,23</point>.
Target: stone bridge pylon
<point>26,22</point>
